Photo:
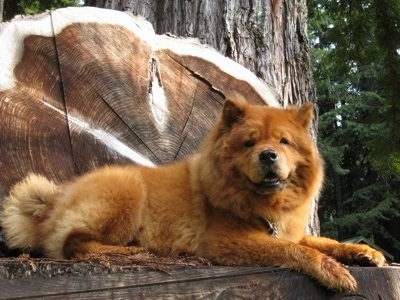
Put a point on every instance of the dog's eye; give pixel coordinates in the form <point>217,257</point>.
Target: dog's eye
<point>249,143</point>
<point>284,141</point>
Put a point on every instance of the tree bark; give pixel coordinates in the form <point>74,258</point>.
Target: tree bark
<point>1,10</point>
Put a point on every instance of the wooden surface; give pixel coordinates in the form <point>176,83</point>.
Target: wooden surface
<point>199,282</point>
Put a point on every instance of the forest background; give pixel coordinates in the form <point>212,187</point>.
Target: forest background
<point>355,52</point>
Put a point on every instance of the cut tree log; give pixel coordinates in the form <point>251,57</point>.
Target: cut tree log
<point>84,87</point>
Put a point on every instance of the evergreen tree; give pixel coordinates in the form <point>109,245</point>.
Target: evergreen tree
<point>356,45</point>
<point>13,7</point>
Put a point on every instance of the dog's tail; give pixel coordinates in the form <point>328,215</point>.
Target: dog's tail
<point>24,209</point>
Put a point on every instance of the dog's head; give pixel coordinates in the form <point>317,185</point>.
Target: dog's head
<point>265,149</point>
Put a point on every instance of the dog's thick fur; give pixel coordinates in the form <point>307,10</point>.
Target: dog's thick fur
<point>258,166</point>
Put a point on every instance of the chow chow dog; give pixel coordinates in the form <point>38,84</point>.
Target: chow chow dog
<point>243,199</point>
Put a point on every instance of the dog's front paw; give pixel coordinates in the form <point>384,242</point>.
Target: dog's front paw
<point>335,276</point>
<point>362,255</point>
<point>368,256</point>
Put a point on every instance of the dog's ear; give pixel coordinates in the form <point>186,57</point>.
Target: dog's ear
<point>234,110</point>
<point>305,114</point>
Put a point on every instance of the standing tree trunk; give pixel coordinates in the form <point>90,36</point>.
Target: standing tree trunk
<point>1,10</point>
<point>267,37</point>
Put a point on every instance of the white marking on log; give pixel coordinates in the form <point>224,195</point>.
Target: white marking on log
<point>226,65</point>
<point>157,99</point>
<point>106,138</point>
<point>12,46</point>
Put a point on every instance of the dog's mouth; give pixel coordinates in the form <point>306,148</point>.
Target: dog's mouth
<point>271,183</point>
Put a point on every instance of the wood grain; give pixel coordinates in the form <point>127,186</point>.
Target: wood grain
<point>204,282</point>
<point>84,87</point>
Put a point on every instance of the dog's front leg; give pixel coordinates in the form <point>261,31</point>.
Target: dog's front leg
<point>231,246</point>
<point>346,253</point>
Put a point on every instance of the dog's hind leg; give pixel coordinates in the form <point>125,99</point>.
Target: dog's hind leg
<point>79,245</point>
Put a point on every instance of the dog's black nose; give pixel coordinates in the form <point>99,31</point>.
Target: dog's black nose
<point>268,157</point>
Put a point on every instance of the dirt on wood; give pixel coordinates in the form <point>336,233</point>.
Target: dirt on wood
<point>25,266</point>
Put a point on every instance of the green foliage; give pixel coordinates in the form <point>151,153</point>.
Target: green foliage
<point>356,61</point>
<point>36,6</point>
<point>13,7</point>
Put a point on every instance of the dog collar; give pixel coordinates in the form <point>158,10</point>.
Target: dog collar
<point>271,227</point>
